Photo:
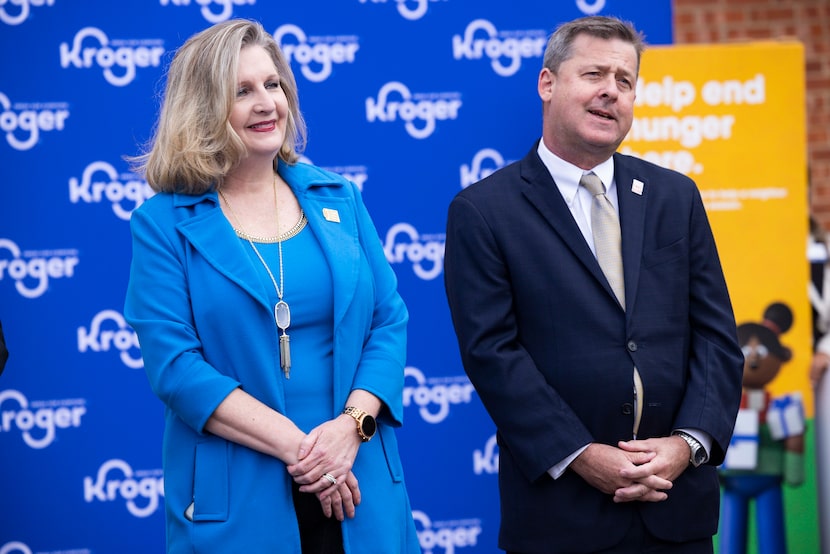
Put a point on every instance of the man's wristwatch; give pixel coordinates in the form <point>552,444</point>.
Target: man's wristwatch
<point>698,454</point>
<point>366,425</point>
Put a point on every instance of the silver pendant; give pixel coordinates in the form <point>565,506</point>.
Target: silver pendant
<point>282,315</point>
<point>285,355</point>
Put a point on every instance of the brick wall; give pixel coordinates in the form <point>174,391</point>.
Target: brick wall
<point>719,21</point>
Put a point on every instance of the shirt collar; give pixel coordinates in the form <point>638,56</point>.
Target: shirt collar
<point>567,175</point>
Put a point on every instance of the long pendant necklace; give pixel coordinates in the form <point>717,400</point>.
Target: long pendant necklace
<point>282,312</point>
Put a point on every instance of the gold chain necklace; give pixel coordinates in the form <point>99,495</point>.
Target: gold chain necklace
<point>292,232</point>
<point>282,312</point>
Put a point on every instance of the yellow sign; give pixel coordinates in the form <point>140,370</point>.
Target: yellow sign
<point>732,117</point>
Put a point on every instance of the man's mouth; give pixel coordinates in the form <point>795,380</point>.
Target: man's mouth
<point>601,114</point>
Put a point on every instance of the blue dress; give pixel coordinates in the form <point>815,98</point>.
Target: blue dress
<point>308,290</point>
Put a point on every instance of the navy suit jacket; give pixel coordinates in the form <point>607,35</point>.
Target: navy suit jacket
<point>551,352</point>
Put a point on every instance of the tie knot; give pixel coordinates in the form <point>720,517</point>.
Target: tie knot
<point>593,183</point>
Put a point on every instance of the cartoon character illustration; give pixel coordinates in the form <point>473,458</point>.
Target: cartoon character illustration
<point>767,446</point>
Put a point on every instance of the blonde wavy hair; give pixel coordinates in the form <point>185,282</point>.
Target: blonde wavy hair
<point>194,145</point>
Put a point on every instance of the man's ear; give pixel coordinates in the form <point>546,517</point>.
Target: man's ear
<point>545,84</point>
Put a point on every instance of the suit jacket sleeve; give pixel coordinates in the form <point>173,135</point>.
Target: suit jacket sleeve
<point>715,360</point>
<point>534,422</point>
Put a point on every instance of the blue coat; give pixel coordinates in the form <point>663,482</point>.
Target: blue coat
<point>206,327</point>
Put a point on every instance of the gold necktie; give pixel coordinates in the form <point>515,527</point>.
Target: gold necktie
<point>605,227</point>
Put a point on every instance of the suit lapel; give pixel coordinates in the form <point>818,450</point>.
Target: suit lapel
<point>632,195</point>
<point>540,189</point>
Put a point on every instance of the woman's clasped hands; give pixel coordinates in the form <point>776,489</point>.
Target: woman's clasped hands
<point>326,456</point>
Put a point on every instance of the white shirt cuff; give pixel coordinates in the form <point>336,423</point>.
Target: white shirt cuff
<point>557,470</point>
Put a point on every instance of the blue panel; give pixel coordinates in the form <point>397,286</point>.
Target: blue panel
<point>413,100</point>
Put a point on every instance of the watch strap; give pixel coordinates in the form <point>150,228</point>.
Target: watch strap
<point>359,416</point>
<point>697,454</point>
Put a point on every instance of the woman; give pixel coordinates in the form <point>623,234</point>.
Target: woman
<point>268,317</point>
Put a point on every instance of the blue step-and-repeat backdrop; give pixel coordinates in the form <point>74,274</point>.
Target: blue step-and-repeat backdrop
<point>411,99</point>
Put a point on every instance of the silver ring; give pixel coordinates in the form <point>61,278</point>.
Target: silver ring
<point>330,478</point>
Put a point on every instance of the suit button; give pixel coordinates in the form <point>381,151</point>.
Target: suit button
<point>632,346</point>
<point>627,409</point>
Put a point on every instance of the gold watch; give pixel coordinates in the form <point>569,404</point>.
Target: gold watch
<point>366,424</point>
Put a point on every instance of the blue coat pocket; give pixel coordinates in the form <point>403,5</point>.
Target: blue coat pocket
<point>210,481</point>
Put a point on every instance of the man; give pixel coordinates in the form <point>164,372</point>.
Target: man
<point>614,403</point>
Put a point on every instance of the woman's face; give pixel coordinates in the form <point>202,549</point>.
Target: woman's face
<point>260,111</point>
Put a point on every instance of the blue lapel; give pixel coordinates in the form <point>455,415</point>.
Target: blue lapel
<point>339,241</point>
<point>322,195</point>
<point>210,233</point>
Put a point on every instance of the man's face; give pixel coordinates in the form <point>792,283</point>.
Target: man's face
<point>589,102</point>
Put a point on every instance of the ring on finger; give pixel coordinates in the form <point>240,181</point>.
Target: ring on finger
<point>330,478</point>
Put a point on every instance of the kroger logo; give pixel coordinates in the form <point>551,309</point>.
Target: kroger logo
<point>487,460</point>
<point>590,8</point>
<point>409,9</point>
<point>30,120</point>
<point>117,480</point>
<point>39,420</point>
<point>423,107</point>
<point>316,55</point>
<point>122,338</point>
<point>120,54</point>
<point>437,392</point>
<point>511,46</point>
<point>226,7</point>
<point>357,174</point>
<point>17,547</point>
<point>35,266</point>
<point>101,182</point>
<point>22,15</point>
<point>416,249</point>
<point>445,536</point>
<point>478,168</point>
